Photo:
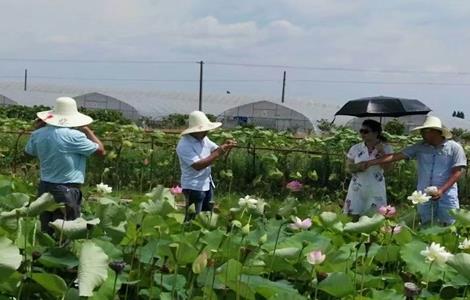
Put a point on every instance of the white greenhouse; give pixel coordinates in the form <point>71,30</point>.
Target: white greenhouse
<point>101,101</point>
<point>6,101</point>
<point>266,114</point>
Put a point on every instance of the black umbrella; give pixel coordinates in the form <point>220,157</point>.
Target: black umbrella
<point>383,106</point>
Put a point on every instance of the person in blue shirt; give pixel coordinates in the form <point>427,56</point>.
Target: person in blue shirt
<point>441,162</point>
<point>196,153</point>
<point>62,142</point>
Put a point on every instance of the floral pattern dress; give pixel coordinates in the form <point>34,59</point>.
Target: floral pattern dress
<point>366,190</point>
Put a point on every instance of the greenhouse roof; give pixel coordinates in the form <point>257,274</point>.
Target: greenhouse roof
<point>158,103</point>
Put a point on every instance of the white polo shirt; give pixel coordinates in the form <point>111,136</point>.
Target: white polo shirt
<point>191,150</point>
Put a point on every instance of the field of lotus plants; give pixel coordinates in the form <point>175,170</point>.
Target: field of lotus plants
<point>262,164</point>
<point>140,248</point>
<point>277,231</point>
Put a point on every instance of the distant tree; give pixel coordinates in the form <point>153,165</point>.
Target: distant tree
<point>395,127</point>
<point>454,114</point>
<point>457,133</point>
<point>325,125</point>
<point>463,115</point>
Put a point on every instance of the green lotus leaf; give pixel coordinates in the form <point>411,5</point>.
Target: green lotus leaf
<point>328,218</point>
<point>461,263</point>
<point>337,284</point>
<point>365,224</point>
<point>461,215</point>
<point>10,258</point>
<point>51,283</point>
<point>287,252</point>
<point>73,229</point>
<point>92,269</point>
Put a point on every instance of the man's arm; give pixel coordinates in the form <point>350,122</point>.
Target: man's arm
<point>352,168</point>
<point>386,159</point>
<point>454,177</point>
<point>205,162</point>
<point>92,137</point>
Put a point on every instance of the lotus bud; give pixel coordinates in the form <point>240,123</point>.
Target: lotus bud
<point>263,239</point>
<point>117,266</point>
<point>246,229</point>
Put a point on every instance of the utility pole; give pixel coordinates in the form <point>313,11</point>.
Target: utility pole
<point>283,87</point>
<point>25,79</point>
<point>201,67</point>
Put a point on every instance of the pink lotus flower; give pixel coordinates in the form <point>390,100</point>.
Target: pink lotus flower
<point>176,190</point>
<point>294,186</point>
<point>387,211</point>
<point>301,224</point>
<point>389,229</point>
<point>315,257</point>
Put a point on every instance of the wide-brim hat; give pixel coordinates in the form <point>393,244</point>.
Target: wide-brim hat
<point>434,123</point>
<point>64,114</point>
<point>198,122</point>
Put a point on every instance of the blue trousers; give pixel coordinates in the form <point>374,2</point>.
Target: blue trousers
<point>200,199</point>
<point>438,210</point>
<point>69,194</point>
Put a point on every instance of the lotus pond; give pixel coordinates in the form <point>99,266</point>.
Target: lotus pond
<point>138,247</point>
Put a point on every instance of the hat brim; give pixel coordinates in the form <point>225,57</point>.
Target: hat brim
<point>202,128</point>
<point>76,120</point>
<point>445,132</point>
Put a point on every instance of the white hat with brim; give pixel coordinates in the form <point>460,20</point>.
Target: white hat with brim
<point>432,122</point>
<point>198,122</point>
<point>64,114</point>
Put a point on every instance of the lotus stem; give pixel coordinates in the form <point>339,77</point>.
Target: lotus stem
<point>173,289</point>
<point>134,250</point>
<point>114,284</point>
<point>274,251</point>
<point>432,213</point>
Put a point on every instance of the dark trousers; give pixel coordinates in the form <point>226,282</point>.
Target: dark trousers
<point>67,193</point>
<point>200,199</point>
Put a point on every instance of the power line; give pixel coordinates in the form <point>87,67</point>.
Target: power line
<point>248,65</point>
<point>370,82</point>
<point>139,79</point>
<point>320,81</point>
<point>96,61</point>
<point>111,79</point>
<point>383,82</point>
<point>12,77</point>
<point>343,69</point>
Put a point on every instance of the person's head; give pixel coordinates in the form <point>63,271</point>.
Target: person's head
<point>432,136</point>
<point>432,131</point>
<point>64,114</point>
<point>371,130</point>
<point>199,135</point>
<point>199,125</point>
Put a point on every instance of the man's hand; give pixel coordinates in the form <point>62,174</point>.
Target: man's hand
<point>91,136</point>
<point>437,195</point>
<point>361,167</point>
<point>228,145</point>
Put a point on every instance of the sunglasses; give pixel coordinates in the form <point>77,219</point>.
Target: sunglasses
<point>364,131</point>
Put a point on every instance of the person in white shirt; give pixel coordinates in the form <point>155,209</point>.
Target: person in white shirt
<point>196,153</point>
<point>366,190</point>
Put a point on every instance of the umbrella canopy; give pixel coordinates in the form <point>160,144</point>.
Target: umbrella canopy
<point>382,106</point>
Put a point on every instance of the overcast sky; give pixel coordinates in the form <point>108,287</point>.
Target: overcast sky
<point>430,38</point>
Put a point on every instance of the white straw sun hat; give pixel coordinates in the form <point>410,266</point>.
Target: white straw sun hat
<point>198,122</point>
<point>434,123</point>
<point>64,114</point>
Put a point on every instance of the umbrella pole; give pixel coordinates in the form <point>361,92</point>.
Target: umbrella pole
<point>380,120</point>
